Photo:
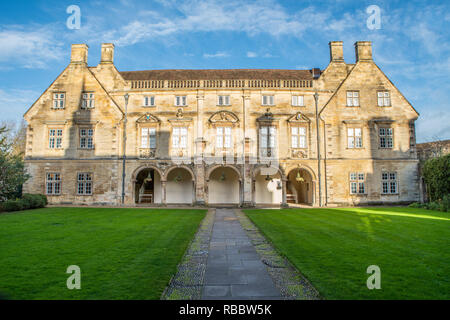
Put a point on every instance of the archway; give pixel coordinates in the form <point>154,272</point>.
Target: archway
<point>300,187</point>
<point>147,187</point>
<point>268,186</point>
<point>180,186</point>
<point>223,186</point>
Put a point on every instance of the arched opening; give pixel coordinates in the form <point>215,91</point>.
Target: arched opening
<point>268,186</point>
<point>148,186</point>
<point>180,187</point>
<point>223,186</point>
<point>300,187</point>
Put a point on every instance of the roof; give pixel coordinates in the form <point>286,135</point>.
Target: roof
<point>218,74</point>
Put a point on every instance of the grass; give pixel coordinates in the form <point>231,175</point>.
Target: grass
<point>334,247</point>
<point>122,253</point>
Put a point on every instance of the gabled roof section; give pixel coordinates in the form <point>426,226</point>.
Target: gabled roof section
<point>216,74</point>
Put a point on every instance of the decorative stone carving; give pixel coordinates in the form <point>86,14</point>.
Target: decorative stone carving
<point>148,118</point>
<point>147,153</point>
<point>223,116</point>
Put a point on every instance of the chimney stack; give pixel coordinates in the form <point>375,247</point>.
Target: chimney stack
<point>336,51</point>
<point>107,53</point>
<point>79,54</point>
<point>363,51</point>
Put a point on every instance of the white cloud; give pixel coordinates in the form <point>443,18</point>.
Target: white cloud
<point>216,55</point>
<point>15,102</point>
<point>251,54</point>
<point>32,48</point>
<point>433,125</point>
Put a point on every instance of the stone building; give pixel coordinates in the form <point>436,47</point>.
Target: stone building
<point>339,136</point>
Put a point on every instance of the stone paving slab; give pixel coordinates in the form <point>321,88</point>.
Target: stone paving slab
<point>234,269</point>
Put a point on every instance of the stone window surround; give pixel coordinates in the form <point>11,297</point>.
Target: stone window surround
<point>358,181</point>
<point>53,182</point>
<point>84,182</point>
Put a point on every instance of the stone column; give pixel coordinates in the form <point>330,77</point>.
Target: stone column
<point>163,192</point>
<point>284,203</point>
<point>247,172</point>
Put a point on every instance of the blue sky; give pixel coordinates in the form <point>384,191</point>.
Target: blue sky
<point>412,47</point>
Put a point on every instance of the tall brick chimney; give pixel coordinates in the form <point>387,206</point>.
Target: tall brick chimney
<point>79,54</point>
<point>107,53</point>
<point>363,51</point>
<point>336,51</point>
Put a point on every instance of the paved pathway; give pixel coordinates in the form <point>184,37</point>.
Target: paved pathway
<point>234,269</point>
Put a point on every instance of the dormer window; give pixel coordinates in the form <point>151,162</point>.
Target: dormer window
<point>149,101</point>
<point>59,100</point>
<point>88,100</point>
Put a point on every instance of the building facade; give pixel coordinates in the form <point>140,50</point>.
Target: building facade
<point>339,136</point>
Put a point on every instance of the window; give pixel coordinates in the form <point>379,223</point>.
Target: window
<point>297,101</point>
<point>53,184</point>
<point>149,101</point>
<point>148,138</point>
<point>384,99</point>
<point>180,101</point>
<point>223,101</point>
<point>352,99</point>
<point>354,138</point>
<point>179,138</point>
<point>59,100</point>
<point>88,101</point>
<point>267,101</point>
<point>298,137</point>
<point>386,135</point>
<point>55,138</point>
<point>84,187</point>
<point>87,138</point>
<point>267,140</point>
<point>389,182</point>
<point>357,184</point>
<point>223,137</point>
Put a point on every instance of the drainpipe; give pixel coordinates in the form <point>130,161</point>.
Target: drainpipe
<point>316,98</point>
<point>126,96</point>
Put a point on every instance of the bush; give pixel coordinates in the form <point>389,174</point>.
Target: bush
<point>436,173</point>
<point>28,201</point>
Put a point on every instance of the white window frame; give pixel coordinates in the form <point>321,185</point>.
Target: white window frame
<point>298,101</point>
<point>267,100</point>
<point>53,184</point>
<point>86,138</point>
<point>223,100</point>
<point>353,98</point>
<point>148,137</point>
<point>386,137</point>
<point>180,137</point>
<point>149,101</point>
<point>88,101</point>
<point>354,140</point>
<point>224,137</point>
<point>59,100</point>
<point>84,183</point>
<point>299,137</point>
<point>55,137</point>
<point>267,140</point>
<point>180,101</point>
<point>389,183</point>
<point>384,98</point>
<point>357,183</point>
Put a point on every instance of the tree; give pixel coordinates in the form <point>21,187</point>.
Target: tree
<point>436,173</point>
<point>12,170</point>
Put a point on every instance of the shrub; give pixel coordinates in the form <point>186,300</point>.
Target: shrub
<point>28,201</point>
<point>436,173</point>
<point>12,205</point>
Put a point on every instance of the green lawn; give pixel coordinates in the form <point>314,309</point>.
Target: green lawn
<point>334,247</point>
<point>122,253</point>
